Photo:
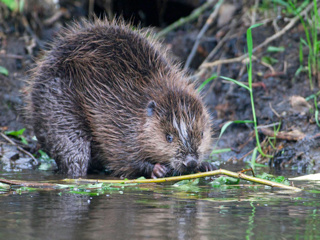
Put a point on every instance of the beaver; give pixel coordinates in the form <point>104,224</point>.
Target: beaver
<point>105,94</point>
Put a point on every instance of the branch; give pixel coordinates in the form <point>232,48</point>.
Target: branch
<point>187,177</point>
<point>209,21</point>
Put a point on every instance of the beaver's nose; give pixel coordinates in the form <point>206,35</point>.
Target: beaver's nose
<point>191,162</point>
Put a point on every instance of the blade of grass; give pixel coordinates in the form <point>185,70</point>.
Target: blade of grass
<point>214,76</point>
<point>222,150</point>
<point>236,82</point>
<point>4,71</point>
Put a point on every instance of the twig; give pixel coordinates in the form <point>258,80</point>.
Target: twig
<point>20,148</point>
<point>91,9</point>
<point>274,111</point>
<point>254,14</point>
<point>186,177</point>
<point>55,17</point>
<point>27,184</point>
<point>269,125</point>
<point>209,21</point>
<point>224,61</point>
<point>291,23</point>
<point>290,136</point>
<point>8,55</point>
<point>29,30</point>
<point>219,45</point>
<point>194,15</point>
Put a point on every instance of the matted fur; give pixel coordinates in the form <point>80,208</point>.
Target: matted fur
<point>89,99</point>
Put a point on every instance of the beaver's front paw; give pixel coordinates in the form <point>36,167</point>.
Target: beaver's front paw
<point>159,171</point>
<point>207,167</point>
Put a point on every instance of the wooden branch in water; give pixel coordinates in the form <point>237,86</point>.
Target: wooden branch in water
<point>239,175</point>
<point>188,177</point>
<point>26,183</point>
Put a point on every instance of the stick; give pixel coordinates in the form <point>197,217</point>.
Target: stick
<point>8,55</point>
<point>27,184</point>
<point>194,15</point>
<point>239,175</point>
<point>290,136</point>
<point>20,148</point>
<point>209,21</point>
<point>187,177</point>
<point>291,23</point>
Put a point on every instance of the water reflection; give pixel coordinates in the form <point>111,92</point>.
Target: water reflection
<point>138,214</point>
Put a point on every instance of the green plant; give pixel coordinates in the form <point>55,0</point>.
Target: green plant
<point>250,89</point>
<point>312,42</point>
<point>18,134</point>
<point>214,76</point>
<point>4,71</point>
<point>272,140</point>
<point>14,5</point>
<point>285,7</point>
<point>316,110</point>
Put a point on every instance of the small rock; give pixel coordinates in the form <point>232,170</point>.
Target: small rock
<point>299,104</point>
<point>226,13</point>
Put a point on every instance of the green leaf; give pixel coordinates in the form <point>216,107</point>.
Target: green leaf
<point>44,157</point>
<point>188,185</point>
<point>214,76</point>
<point>279,179</point>
<point>45,167</point>
<point>23,140</point>
<point>236,82</point>
<point>223,129</point>
<point>299,70</point>
<point>275,49</point>
<point>187,182</point>
<point>255,25</point>
<point>4,71</point>
<point>11,4</point>
<point>15,133</point>
<point>227,124</point>
<point>269,60</point>
<point>280,2</point>
<point>223,180</point>
<point>18,134</point>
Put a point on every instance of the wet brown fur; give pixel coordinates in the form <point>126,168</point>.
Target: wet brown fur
<point>89,99</point>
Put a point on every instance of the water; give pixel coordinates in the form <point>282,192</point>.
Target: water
<point>161,212</point>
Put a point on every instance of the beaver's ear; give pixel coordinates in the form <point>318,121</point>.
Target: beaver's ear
<point>151,107</point>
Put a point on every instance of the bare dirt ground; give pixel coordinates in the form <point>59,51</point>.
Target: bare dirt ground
<point>279,93</point>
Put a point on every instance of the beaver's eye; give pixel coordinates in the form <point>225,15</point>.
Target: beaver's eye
<point>169,138</point>
<point>201,134</point>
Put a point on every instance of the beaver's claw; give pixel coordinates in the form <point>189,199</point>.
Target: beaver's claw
<point>159,171</point>
<point>207,167</point>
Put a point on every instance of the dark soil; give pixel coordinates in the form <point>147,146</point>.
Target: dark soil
<point>24,35</point>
